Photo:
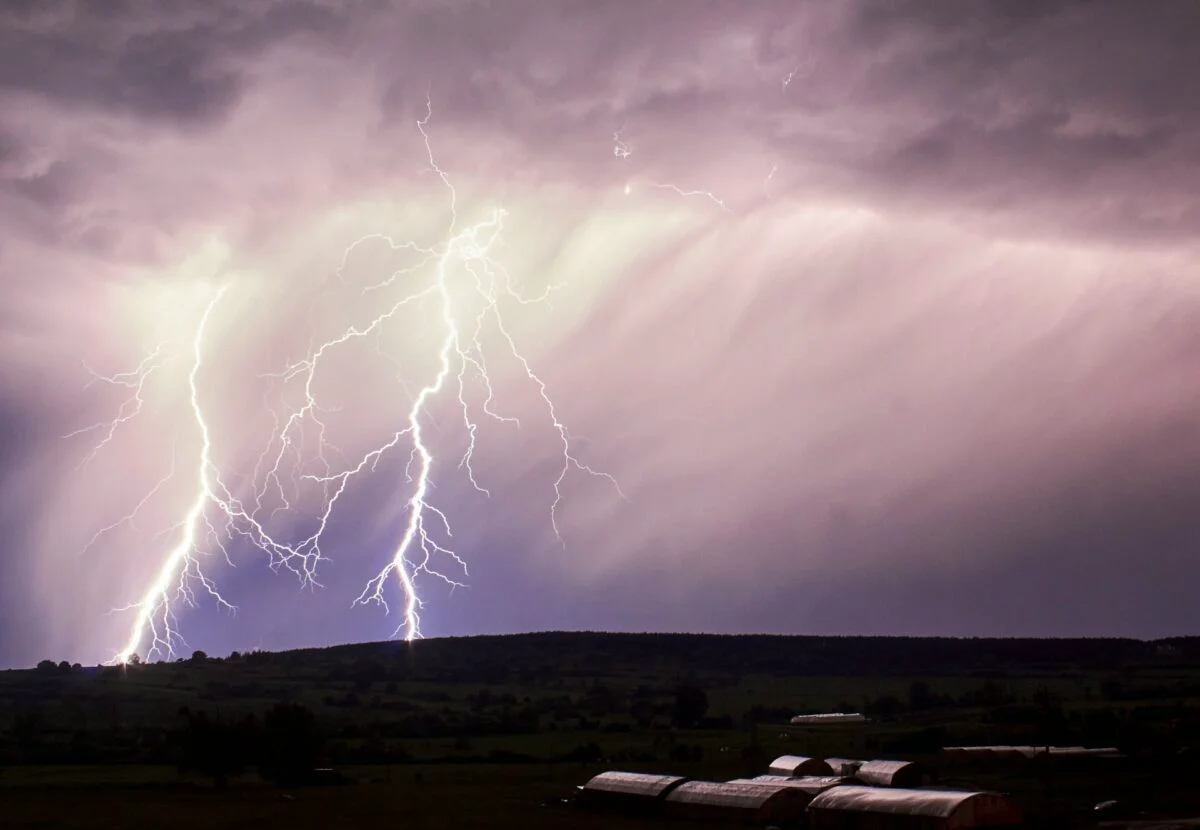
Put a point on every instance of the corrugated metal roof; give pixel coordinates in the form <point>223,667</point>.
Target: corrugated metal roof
<point>883,773</point>
<point>830,717</point>
<point>796,765</point>
<point>811,784</point>
<point>1097,752</point>
<point>932,803</point>
<point>990,753</point>
<point>632,783</point>
<point>743,796</point>
<point>844,766</point>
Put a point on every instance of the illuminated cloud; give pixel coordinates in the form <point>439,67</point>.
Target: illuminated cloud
<point>932,368</point>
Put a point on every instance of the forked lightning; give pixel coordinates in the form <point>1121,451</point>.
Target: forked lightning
<point>216,515</point>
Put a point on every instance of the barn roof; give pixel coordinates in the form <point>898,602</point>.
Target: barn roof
<point>633,783</point>
<point>931,803</point>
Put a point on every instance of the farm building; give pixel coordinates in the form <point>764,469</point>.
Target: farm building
<point>795,766</point>
<point>894,774</point>
<point>991,754</point>
<point>1023,752</point>
<point>843,766</point>
<point>812,784</point>
<point>736,803</point>
<point>830,718</point>
<point>627,791</point>
<point>1085,752</point>
<point>875,808</point>
<point>1016,752</point>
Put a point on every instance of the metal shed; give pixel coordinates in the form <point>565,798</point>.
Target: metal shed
<point>736,802</point>
<point>987,754</point>
<point>1085,752</point>
<point>829,718</point>
<point>627,791</point>
<point>874,808</point>
<point>812,784</point>
<point>844,766</point>
<point>894,774</point>
<point>795,766</point>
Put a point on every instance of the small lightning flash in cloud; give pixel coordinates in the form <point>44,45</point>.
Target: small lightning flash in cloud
<point>621,150</point>
<point>705,194</point>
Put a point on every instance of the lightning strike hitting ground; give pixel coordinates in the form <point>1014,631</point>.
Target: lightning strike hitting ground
<point>215,515</point>
<point>154,614</point>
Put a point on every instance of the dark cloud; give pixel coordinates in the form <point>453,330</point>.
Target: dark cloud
<point>942,336</point>
<point>182,63</point>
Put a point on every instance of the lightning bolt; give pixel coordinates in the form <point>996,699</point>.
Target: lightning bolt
<point>154,614</point>
<point>468,287</point>
<point>460,351</point>
<point>706,194</point>
<point>621,150</point>
<point>770,175</point>
<point>134,380</point>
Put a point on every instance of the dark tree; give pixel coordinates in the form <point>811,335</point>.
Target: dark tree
<point>642,711</point>
<point>921,696</point>
<point>290,744</point>
<point>691,704</point>
<point>214,748</point>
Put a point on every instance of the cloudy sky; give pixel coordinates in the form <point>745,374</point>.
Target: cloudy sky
<point>884,317</point>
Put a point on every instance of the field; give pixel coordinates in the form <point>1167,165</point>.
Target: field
<point>461,797</point>
<point>491,731</point>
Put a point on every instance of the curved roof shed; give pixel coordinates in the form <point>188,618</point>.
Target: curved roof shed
<point>811,784</point>
<point>796,766</point>
<point>628,791</point>
<point>894,774</point>
<point>830,718</point>
<point>875,808</point>
<point>736,802</point>
<point>844,766</point>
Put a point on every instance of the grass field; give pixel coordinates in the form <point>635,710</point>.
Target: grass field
<point>412,797</point>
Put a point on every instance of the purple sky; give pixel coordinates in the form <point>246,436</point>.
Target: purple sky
<point>885,316</point>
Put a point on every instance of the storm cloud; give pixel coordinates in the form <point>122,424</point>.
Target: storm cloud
<point>884,315</point>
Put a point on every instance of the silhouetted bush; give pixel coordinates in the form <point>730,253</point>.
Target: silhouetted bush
<point>213,748</point>
<point>691,704</point>
<point>290,744</point>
